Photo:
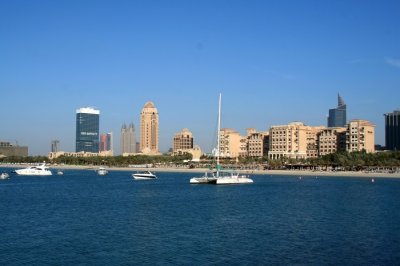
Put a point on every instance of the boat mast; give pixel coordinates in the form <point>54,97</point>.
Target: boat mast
<point>218,130</point>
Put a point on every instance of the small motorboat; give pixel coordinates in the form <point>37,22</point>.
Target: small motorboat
<point>144,175</point>
<point>59,172</point>
<point>4,176</point>
<point>102,171</point>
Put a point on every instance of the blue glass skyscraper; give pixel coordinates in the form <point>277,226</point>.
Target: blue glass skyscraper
<point>87,130</point>
<point>337,116</point>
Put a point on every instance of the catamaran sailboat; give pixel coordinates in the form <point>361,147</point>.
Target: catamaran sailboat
<point>220,177</point>
<point>232,177</point>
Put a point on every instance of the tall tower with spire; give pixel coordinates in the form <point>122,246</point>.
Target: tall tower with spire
<point>337,116</point>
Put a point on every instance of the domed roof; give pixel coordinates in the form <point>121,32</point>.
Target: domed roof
<point>149,105</point>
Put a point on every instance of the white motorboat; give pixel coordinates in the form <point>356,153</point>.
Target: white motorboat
<point>59,172</point>
<point>102,171</point>
<point>4,176</point>
<point>39,170</point>
<point>144,175</point>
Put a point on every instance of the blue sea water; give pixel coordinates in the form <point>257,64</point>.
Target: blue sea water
<point>81,218</point>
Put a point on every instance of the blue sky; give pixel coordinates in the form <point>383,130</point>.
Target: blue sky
<point>273,61</point>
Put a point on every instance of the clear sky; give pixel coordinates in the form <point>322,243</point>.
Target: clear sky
<point>273,61</point>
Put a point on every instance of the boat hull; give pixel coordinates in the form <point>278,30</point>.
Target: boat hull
<point>203,180</point>
<point>234,181</point>
<point>143,177</point>
<point>33,173</point>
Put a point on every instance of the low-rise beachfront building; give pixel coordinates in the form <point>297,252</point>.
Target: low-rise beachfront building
<point>257,143</point>
<point>294,140</point>
<point>232,144</point>
<point>360,136</point>
<point>54,155</point>
<point>298,141</point>
<point>195,152</point>
<point>312,134</point>
<point>288,141</point>
<point>183,140</point>
<point>184,143</point>
<point>331,140</point>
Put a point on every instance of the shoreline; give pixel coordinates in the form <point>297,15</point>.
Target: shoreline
<point>202,170</point>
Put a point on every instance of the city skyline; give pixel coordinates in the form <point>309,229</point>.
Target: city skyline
<point>273,62</point>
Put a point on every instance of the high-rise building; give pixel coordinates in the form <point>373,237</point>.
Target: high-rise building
<point>149,129</point>
<point>392,131</point>
<point>55,145</point>
<point>183,140</point>
<point>106,142</point>
<point>87,130</point>
<point>337,116</point>
<point>360,136</point>
<point>128,139</point>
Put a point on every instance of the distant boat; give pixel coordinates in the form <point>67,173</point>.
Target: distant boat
<point>59,172</point>
<point>102,171</point>
<point>221,177</point>
<point>144,175</point>
<point>4,176</point>
<point>38,170</point>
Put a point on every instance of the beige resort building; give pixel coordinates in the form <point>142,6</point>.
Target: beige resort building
<point>257,143</point>
<point>292,141</point>
<point>297,140</point>
<point>183,143</point>
<point>233,145</point>
<point>331,140</point>
<point>360,135</point>
<point>183,140</point>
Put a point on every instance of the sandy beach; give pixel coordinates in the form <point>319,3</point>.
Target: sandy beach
<point>202,170</point>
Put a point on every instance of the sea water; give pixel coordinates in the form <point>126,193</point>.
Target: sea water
<point>81,218</point>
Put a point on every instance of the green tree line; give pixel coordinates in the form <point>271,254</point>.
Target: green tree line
<point>118,161</point>
<point>344,160</point>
